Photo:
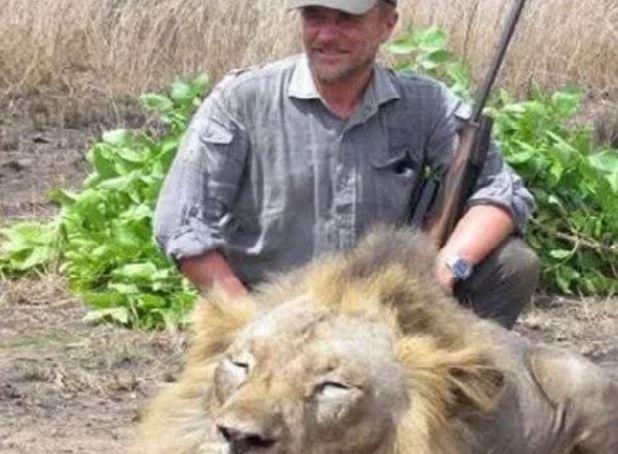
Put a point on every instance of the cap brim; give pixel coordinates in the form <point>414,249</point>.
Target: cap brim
<point>352,7</point>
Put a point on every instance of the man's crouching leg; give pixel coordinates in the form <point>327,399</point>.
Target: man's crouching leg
<point>503,283</point>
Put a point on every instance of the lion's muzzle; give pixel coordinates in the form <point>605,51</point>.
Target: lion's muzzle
<point>244,442</point>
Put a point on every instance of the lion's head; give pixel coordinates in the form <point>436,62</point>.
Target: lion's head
<point>360,353</point>
<point>300,380</point>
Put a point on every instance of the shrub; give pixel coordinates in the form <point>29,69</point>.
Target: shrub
<point>102,237</point>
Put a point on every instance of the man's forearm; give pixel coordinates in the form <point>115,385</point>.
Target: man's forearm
<point>478,232</point>
<point>212,270</point>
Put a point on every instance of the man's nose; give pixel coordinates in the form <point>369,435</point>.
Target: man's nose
<point>243,441</point>
<point>326,32</point>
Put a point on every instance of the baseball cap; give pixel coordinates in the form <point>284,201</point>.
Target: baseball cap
<point>348,6</point>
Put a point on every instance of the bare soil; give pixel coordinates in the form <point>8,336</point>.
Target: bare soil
<point>70,387</point>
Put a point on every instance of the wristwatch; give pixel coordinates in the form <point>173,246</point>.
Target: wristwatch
<point>461,268</point>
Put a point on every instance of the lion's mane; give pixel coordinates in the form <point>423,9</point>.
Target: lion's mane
<point>444,349</point>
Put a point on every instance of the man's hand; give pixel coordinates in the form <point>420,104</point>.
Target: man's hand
<point>212,270</point>
<point>444,275</point>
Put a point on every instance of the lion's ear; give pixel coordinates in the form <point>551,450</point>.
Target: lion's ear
<point>217,319</point>
<point>476,385</point>
<point>449,381</point>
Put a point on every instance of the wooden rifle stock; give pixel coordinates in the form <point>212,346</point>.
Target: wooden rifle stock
<point>458,184</point>
<point>468,158</point>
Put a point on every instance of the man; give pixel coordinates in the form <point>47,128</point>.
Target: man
<point>300,157</point>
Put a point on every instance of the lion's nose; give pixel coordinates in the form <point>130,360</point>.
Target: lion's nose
<point>241,441</point>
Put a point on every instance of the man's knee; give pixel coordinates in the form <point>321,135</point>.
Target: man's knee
<point>503,283</point>
<point>518,264</point>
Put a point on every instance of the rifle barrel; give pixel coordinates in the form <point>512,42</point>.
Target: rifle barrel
<point>497,60</point>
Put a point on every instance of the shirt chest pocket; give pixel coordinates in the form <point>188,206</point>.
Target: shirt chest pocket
<point>393,177</point>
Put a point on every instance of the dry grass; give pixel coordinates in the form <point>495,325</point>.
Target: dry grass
<point>126,46</point>
<point>558,42</point>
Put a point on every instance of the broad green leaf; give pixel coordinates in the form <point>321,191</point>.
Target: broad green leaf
<point>101,160</point>
<point>104,300</point>
<point>131,155</point>
<point>182,91</point>
<point>149,302</point>
<point>431,39</point>
<point>118,138</point>
<point>607,163</point>
<point>156,102</point>
<point>402,46</point>
<point>125,289</point>
<point>63,196</point>
<point>566,102</point>
<point>439,57</point>
<point>142,271</point>
<point>37,257</point>
<point>201,83</point>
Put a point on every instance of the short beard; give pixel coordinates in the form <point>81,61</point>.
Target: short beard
<point>340,74</point>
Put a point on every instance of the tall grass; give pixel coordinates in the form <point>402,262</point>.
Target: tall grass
<point>558,42</point>
<point>85,47</point>
<point>126,46</point>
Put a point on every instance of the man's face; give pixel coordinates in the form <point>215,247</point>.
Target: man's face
<point>341,45</point>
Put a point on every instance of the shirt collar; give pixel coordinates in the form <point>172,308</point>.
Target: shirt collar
<point>302,85</point>
<point>380,90</point>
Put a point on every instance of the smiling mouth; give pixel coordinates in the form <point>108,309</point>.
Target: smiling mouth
<point>329,53</point>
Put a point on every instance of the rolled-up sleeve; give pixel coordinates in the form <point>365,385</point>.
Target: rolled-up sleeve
<point>497,183</point>
<point>193,205</point>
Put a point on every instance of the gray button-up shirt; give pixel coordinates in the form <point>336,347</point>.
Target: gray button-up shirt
<point>268,175</point>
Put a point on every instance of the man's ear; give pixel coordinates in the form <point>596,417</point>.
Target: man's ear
<point>217,319</point>
<point>391,18</point>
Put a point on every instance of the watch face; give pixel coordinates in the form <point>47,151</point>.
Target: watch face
<point>461,269</point>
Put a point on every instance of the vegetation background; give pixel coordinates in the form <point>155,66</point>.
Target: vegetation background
<point>70,69</point>
<point>113,47</point>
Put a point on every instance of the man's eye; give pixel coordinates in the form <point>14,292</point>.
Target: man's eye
<point>350,19</point>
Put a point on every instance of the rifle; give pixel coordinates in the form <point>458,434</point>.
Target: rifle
<point>468,158</point>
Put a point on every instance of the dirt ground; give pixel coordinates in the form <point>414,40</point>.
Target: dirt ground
<point>68,387</point>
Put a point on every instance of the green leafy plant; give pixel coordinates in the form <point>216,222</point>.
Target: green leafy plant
<point>102,237</point>
<point>29,246</point>
<point>575,184</point>
<point>425,51</point>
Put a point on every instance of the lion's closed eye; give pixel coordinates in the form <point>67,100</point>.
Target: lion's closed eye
<point>331,389</point>
<point>231,373</point>
<point>334,400</point>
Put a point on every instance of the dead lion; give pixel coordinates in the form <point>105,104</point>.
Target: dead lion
<point>362,353</point>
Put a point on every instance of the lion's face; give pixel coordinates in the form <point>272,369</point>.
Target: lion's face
<point>302,381</point>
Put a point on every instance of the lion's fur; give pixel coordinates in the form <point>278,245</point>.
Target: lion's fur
<point>446,352</point>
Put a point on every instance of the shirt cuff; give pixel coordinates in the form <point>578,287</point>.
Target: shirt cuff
<point>193,240</point>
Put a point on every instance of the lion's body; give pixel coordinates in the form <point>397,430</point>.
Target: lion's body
<point>362,353</point>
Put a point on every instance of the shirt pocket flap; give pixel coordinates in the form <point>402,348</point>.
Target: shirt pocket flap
<point>215,133</point>
<point>400,160</point>
<point>389,160</point>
